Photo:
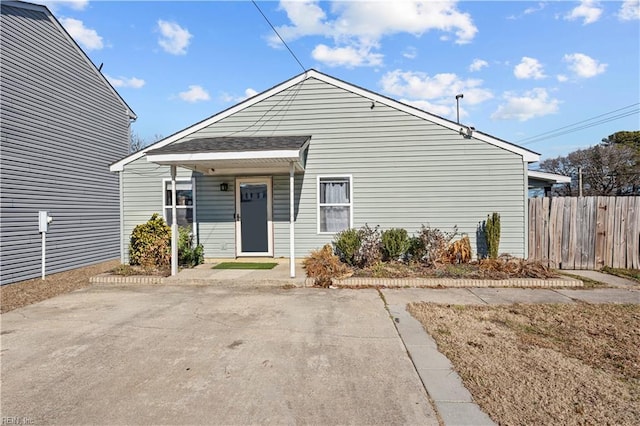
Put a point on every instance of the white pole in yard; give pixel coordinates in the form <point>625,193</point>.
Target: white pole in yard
<point>292,256</point>
<point>174,224</point>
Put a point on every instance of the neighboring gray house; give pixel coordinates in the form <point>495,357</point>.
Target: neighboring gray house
<point>357,158</point>
<point>62,124</point>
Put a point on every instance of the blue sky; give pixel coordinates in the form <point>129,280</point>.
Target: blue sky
<point>525,68</point>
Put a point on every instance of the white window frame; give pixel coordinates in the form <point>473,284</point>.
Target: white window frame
<point>166,181</point>
<point>318,205</point>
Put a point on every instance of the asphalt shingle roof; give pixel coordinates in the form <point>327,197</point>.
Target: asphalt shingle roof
<point>233,144</point>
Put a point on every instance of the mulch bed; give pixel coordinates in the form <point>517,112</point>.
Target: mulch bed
<point>17,295</point>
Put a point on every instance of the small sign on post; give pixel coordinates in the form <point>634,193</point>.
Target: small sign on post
<point>43,227</point>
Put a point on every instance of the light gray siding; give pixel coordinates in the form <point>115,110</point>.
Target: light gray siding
<point>62,126</point>
<point>406,171</point>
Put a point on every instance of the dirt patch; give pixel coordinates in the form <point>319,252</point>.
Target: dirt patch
<point>544,364</point>
<point>17,295</point>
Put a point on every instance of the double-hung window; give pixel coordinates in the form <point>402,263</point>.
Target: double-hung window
<point>185,202</point>
<point>335,203</point>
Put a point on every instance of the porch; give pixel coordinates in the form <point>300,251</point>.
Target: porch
<point>252,163</point>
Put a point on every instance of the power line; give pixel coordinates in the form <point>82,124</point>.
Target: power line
<point>580,126</point>
<point>278,34</point>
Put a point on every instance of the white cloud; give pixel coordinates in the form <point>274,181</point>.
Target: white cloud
<point>410,52</point>
<point>529,68</point>
<point>529,11</point>
<point>629,11</point>
<point>588,10</point>
<point>174,39</point>
<point>133,82</point>
<point>73,4</point>
<point>535,9</point>
<point>562,78</point>
<point>435,94</point>
<point>248,93</point>
<point>357,27</point>
<point>346,56</point>
<point>584,66</point>
<point>86,37</point>
<point>478,64</point>
<point>194,94</point>
<point>531,104</point>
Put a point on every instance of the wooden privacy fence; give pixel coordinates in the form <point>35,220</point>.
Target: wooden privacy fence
<point>585,232</point>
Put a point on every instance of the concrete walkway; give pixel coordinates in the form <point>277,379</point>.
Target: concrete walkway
<point>611,280</point>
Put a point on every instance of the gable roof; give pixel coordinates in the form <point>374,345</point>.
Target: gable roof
<point>44,10</point>
<point>527,155</point>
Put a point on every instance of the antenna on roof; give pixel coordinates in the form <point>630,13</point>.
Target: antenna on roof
<point>458,97</point>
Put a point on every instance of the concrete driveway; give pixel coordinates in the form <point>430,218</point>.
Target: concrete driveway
<point>201,355</point>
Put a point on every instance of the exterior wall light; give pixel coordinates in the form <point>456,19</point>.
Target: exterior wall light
<point>224,187</point>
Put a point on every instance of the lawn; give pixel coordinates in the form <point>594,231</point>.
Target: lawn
<point>544,364</point>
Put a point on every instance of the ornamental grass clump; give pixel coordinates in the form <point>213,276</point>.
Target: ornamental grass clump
<point>323,266</point>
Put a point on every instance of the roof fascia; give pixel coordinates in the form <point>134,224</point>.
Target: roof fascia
<point>44,9</point>
<point>119,165</point>
<point>550,177</point>
<point>289,154</point>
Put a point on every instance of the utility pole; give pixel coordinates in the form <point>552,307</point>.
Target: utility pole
<point>580,181</point>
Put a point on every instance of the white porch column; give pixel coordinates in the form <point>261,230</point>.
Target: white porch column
<point>292,251</point>
<point>174,224</point>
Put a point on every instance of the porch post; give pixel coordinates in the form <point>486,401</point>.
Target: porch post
<point>292,256</point>
<point>174,224</point>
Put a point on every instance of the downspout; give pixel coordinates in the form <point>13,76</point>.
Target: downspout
<point>121,180</point>
<point>292,250</point>
<point>526,208</point>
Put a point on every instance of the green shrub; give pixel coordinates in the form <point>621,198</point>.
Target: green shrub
<point>347,243</point>
<point>150,243</point>
<point>370,252</point>
<point>395,243</point>
<point>492,234</point>
<point>188,254</point>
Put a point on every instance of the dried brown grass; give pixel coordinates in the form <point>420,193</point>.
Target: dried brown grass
<point>323,266</point>
<point>544,364</point>
<point>17,295</point>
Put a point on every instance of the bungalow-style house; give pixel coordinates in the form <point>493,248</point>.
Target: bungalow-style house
<point>62,124</point>
<point>280,173</point>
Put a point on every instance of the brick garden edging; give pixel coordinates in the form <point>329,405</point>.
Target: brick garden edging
<point>355,282</point>
<point>451,282</point>
<point>123,279</point>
